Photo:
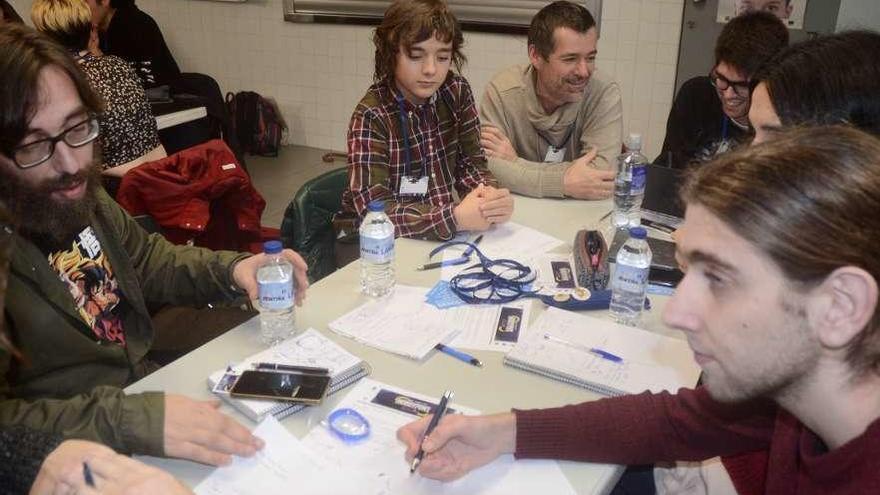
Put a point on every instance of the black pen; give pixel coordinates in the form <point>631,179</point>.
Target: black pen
<point>87,475</point>
<point>662,227</point>
<point>438,415</point>
<point>289,367</point>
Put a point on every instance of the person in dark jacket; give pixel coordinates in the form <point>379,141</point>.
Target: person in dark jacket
<point>41,462</point>
<point>84,340</point>
<point>710,113</point>
<point>132,35</point>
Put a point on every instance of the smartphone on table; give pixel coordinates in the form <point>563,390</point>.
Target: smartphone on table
<point>302,388</point>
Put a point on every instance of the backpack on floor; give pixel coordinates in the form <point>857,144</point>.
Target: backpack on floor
<point>256,122</point>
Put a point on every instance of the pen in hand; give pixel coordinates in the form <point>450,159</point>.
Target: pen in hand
<point>88,477</point>
<point>438,415</point>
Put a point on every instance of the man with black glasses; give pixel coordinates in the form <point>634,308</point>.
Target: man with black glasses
<point>710,114</point>
<point>82,273</point>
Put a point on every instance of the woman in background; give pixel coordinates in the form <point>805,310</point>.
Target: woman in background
<point>129,136</point>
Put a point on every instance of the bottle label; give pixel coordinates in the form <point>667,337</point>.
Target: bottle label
<point>639,179</point>
<point>377,250</point>
<point>276,295</point>
<point>629,278</point>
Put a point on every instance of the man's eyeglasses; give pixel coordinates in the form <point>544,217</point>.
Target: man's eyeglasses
<point>721,83</point>
<point>36,152</point>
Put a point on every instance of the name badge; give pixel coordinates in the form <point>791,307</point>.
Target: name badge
<point>413,186</point>
<point>554,155</point>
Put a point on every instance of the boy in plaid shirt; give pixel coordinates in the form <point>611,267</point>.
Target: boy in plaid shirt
<point>415,135</point>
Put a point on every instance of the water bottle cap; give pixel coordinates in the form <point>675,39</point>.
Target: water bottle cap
<point>272,247</point>
<point>638,232</point>
<point>633,141</point>
<point>376,205</point>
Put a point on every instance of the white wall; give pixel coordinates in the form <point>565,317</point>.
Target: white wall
<point>318,72</point>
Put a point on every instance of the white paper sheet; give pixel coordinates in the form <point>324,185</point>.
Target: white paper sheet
<point>381,455</point>
<point>508,240</point>
<point>284,463</point>
<point>479,326</point>
<point>402,323</point>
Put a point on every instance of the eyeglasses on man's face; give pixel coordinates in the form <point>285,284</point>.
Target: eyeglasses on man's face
<point>721,83</point>
<point>36,152</point>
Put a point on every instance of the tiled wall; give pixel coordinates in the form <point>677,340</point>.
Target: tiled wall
<point>318,72</point>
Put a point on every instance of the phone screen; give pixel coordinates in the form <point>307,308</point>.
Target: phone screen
<point>275,385</point>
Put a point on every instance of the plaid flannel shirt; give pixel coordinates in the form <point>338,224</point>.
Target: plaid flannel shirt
<point>444,142</point>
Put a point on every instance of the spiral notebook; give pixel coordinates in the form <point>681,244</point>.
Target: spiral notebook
<point>309,348</point>
<point>562,345</point>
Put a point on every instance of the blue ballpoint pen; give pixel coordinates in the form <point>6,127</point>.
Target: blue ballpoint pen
<point>462,356</point>
<point>592,350</point>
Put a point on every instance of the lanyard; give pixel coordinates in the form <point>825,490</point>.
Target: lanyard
<point>564,140</point>
<point>503,281</point>
<point>490,281</point>
<point>724,128</point>
<point>404,129</point>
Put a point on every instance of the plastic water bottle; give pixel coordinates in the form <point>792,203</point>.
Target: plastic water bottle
<point>629,184</point>
<point>630,278</point>
<point>277,295</point>
<point>377,251</point>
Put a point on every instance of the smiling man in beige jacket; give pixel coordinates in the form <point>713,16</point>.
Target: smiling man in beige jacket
<point>552,128</point>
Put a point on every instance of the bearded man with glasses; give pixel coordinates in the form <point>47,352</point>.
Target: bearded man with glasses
<point>82,273</point>
<point>710,115</point>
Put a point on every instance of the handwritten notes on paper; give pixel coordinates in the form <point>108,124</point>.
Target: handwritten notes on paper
<point>381,456</point>
<point>401,323</point>
<point>282,464</point>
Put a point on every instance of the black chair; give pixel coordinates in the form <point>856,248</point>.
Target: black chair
<point>307,226</point>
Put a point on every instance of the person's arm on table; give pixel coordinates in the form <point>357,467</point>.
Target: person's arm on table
<point>150,423</point>
<point>635,429</point>
<point>369,179</point>
<point>459,444</point>
<point>111,473</point>
<point>471,174</point>
<point>590,176</point>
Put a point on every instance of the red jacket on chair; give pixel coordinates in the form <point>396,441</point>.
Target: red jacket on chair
<point>200,195</point>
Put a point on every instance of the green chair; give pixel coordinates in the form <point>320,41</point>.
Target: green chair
<point>307,227</point>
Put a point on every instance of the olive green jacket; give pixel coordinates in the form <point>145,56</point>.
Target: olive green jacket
<point>68,382</point>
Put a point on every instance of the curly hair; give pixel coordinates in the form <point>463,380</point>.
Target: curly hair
<point>408,22</point>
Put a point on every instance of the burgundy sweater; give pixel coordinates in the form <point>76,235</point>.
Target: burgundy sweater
<point>781,455</point>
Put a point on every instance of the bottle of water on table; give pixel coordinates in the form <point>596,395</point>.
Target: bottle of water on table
<point>629,281</point>
<point>629,184</point>
<point>277,295</point>
<point>377,251</point>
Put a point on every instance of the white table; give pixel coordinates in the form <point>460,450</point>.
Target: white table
<point>180,117</point>
<point>493,388</point>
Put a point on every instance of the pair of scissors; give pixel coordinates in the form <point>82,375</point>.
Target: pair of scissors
<point>464,258</point>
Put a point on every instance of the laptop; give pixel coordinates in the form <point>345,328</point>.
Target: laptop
<point>661,203</point>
